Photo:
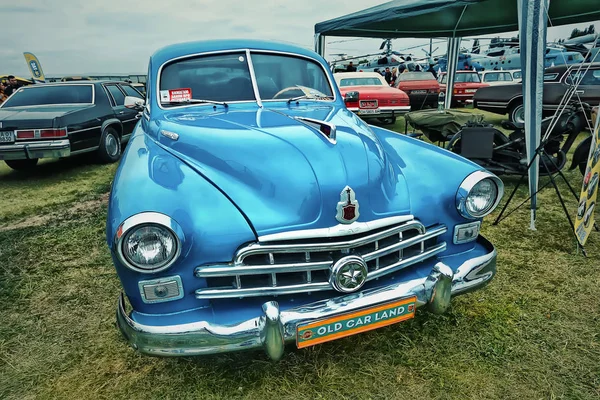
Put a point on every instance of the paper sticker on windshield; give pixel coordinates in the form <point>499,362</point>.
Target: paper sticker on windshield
<point>176,95</point>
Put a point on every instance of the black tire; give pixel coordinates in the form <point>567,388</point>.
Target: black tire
<point>387,121</point>
<point>109,149</point>
<point>22,165</point>
<point>516,113</point>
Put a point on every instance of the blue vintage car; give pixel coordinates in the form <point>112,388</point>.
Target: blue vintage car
<point>252,209</point>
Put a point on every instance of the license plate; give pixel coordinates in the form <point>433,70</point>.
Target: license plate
<point>7,136</point>
<point>470,90</point>
<point>348,324</point>
<point>419,91</point>
<point>369,104</point>
<point>374,111</point>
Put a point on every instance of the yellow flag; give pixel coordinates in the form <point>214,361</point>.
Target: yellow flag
<point>35,68</point>
<point>589,191</point>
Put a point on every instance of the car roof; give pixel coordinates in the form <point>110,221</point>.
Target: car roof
<point>190,48</point>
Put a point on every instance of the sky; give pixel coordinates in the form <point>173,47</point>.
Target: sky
<point>117,36</point>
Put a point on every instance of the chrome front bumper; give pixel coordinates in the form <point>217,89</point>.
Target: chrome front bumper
<point>38,149</point>
<point>274,328</point>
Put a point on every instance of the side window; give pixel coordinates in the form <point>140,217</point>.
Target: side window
<point>116,94</point>
<point>129,91</point>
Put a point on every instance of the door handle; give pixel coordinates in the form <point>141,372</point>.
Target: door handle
<point>121,112</point>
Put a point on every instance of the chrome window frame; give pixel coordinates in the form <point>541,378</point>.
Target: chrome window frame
<point>248,52</point>
<point>28,87</point>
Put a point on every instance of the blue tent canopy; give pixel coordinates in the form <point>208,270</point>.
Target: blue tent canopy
<point>449,18</point>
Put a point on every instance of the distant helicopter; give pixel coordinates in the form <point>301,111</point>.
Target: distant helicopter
<point>379,61</point>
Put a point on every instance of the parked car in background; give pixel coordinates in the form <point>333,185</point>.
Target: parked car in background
<point>465,85</point>
<point>508,99</point>
<point>497,78</point>
<point>369,96</point>
<point>421,87</point>
<point>258,211</point>
<point>55,120</point>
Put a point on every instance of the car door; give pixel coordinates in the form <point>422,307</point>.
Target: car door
<point>589,86</point>
<point>127,116</point>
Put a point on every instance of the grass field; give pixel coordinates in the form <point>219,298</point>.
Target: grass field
<point>533,333</point>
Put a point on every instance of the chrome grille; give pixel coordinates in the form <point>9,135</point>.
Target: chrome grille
<point>303,265</point>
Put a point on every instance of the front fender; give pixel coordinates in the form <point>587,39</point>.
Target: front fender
<point>151,179</point>
<point>581,153</point>
<point>433,175</point>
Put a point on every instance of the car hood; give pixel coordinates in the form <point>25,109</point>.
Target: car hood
<point>282,174</point>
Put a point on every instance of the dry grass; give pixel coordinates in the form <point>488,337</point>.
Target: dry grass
<point>533,333</point>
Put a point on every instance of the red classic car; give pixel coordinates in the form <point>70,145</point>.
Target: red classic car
<point>368,95</point>
<point>466,84</point>
<point>421,87</point>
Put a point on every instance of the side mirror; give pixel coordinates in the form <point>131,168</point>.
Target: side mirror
<point>134,102</point>
<point>351,97</point>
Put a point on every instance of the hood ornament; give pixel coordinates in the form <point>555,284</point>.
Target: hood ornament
<point>347,207</point>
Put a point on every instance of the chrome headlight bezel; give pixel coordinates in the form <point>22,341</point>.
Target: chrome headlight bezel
<point>142,220</point>
<point>467,186</point>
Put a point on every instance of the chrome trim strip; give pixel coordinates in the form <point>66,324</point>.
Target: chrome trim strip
<point>89,150</point>
<point>405,243</point>
<point>216,293</point>
<point>275,327</point>
<point>253,78</point>
<point>407,262</point>
<point>86,129</point>
<point>147,218</point>
<point>208,271</point>
<point>255,248</point>
<point>337,230</point>
<point>309,121</point>
<point>36,145</point>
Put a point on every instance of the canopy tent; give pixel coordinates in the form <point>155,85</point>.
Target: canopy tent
<point>449,18</point>
<point>455,19</point>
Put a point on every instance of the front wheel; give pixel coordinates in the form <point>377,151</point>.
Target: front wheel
<point>22,165</point>
<point>109,150</point>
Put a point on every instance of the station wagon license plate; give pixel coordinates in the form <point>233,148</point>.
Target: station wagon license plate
<point>372,111</point>
<point>7,136</point>
<point>348,324</point>
<point>418,92</point>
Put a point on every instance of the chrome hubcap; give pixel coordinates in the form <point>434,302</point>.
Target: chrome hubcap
<point>111,145</point>
<point>520,115</point>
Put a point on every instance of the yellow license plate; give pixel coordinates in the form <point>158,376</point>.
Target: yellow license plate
<point>348,324</point>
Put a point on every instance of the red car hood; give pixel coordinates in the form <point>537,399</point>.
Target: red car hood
<point>374,92</point>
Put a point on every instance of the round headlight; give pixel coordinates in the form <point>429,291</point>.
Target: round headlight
<point>479,194</point>
<point>481,198</point>
<point>148,242</point>
<point>149,247</point>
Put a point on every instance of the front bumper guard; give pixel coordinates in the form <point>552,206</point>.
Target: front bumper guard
<point>274,328</point>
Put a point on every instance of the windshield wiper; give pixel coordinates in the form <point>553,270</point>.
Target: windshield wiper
<point>304,96</point>
<point>196,101</point>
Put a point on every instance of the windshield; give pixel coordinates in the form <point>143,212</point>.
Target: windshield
<point>373,81</point>
<point>416,76</point>
<point>464,78</point>
<point>48,95</point>
<point>226,78</point>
